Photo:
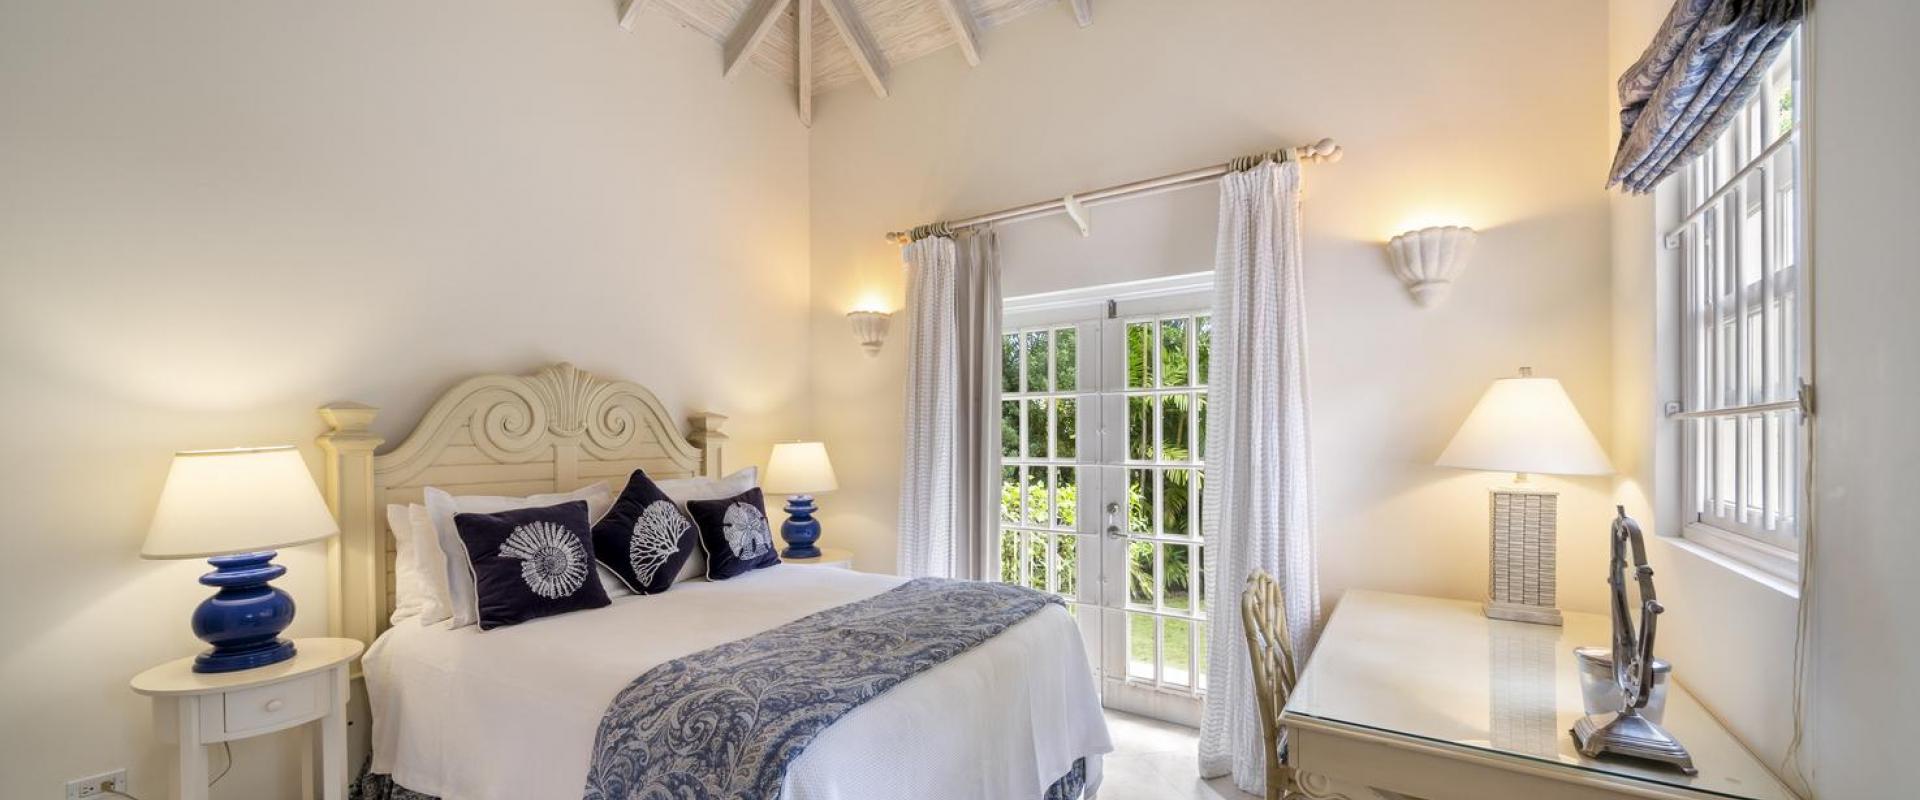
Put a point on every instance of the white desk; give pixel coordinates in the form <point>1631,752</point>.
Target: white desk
<point>1418,697</point>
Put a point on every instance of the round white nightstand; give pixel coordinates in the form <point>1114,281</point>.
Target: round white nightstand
<point>829,557</point>
<point>210,708</point>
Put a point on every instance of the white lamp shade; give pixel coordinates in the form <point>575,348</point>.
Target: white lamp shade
<point>219,502</point>
<point>1526,425</point>
<point>800,468</point>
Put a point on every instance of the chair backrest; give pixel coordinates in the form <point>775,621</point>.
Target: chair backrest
<point>1263,611</point>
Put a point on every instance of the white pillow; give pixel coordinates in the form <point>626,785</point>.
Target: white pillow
<point>430,564</point>
<point>441,508</point>
<point>611,582</point>
<point>409,590</point>
<point>685,489</point>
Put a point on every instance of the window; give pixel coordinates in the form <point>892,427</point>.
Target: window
<point>1039,449</point>
<point>1743,332</point>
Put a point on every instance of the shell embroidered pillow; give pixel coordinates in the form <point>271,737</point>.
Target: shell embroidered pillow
<point>531,563</point>
<point>645,538</point>
<point>735,534</point>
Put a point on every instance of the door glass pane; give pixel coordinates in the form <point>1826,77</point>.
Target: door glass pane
<point>1140,573</point>
<point>1198,500</point>
<point>1140,490</point>
<point>1066,553</point>
<point>1010,428</point>
<point>1066,434</point>
<point>1037,428</point>
<point>1139,355</point>
<point>1175,439</point>
<point>1066,363</point>
<point>1066,497</point>
<point>1173,501</point>
<point>1140,645</point>
<point>1010,556</point>
<point>1175,646</point>
<point>1037,511</point>
<point>1140,428</point>
<point>1174,577</point>
<point>1173,353</point>
<point>1010,363</point>
<point>1200,656</point>
<point>1202,348</point>
<point>1037,365</point>
<point>1010,494</point>
<point>1037,561</point>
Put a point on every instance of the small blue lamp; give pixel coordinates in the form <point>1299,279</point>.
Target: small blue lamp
<point>800,470</point>
<point>235,507</point>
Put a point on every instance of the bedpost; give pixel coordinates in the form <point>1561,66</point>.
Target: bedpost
<point>356,576</point>
<point>711,441</point>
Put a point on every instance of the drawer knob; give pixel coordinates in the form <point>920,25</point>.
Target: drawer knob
<point>275,705</point>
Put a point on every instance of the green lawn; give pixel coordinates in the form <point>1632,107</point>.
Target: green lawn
<point>1140,646</point>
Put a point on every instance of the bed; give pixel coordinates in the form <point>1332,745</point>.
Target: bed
<point>514,712</point>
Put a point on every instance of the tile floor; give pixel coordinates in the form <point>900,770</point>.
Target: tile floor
<point>1155,760</point>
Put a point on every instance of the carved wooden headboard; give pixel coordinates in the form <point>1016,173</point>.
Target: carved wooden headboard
<point>553,431</point>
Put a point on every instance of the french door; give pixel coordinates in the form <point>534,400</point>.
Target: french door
<point>1103,424</point>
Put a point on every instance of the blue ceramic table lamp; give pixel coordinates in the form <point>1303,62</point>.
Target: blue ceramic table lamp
<point>234,507</point>
<point>800,470</point>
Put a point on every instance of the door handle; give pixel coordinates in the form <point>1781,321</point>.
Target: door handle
<point>1114,532</point>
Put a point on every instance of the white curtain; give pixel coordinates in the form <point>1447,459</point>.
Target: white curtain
<point>949,483</point>
<point>1259,491</point>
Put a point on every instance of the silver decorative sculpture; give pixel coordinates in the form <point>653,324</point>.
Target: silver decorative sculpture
<point>1627,732</point>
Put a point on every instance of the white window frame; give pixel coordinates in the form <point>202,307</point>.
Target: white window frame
<point>1764,391</point>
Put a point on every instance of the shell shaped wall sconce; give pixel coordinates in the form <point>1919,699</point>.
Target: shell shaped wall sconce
<point>870,328</point>
<point>1427,260</point>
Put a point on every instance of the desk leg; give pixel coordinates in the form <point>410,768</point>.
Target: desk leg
<point>333,741</point>
<point>309,740</point>
<point>190,776</point>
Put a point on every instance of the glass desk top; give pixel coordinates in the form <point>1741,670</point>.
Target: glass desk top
<point>1440,671</point>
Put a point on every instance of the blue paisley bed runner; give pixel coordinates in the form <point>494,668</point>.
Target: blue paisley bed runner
<point>725,723</point>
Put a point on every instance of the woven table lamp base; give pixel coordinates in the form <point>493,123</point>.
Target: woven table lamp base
<point>1520,580</point>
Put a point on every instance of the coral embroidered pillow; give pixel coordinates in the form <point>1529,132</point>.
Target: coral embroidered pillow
<point>646,537</point>
<point>735,534</point>
<point>530,563</point>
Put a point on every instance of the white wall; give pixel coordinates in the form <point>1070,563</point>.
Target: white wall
<point>1473,112</point>
<point>1864,712</point>
<point>216,216</point>
<point>1732,639</point>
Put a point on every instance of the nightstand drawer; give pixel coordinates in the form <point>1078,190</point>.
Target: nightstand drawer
<point>273,706</point>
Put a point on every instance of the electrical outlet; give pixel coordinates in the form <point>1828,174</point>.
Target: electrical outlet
<point>97,785</point>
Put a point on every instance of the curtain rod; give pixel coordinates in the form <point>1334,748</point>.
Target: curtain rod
<point>1325,150</point>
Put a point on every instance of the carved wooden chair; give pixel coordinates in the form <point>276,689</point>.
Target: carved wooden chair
<point>1264,613</point>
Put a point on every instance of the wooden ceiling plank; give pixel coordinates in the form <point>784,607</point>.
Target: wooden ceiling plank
<point>630,12</point>
<point>751,30</point>
<point>859,41</point>
<point>966,29</point>
<point>1083,12</point>
<point>803,43</point>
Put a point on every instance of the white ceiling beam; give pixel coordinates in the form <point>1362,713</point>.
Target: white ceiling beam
<point>966,30</point>
<point>630,12</point>
<point>803,76</point>
<point>853,31</point>
<point>750,32</point>
<point>1083,12</point>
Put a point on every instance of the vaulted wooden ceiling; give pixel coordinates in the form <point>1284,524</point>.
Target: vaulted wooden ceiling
<point>817,45</point>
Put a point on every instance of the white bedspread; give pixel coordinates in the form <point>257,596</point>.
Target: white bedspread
<point>511,714</point>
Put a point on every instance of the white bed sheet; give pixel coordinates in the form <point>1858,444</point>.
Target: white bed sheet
<point>511,714</point>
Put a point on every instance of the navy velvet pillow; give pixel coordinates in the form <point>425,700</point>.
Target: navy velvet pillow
<point>646,538</point>
<point>531,563</point>
<point>735,534</point>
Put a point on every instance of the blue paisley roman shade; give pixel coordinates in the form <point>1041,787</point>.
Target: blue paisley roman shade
<point>1703,65</point>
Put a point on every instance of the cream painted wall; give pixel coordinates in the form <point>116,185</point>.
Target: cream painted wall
<point>1474,112</point>
<point>1731,639</point>
<point>216,216</point>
